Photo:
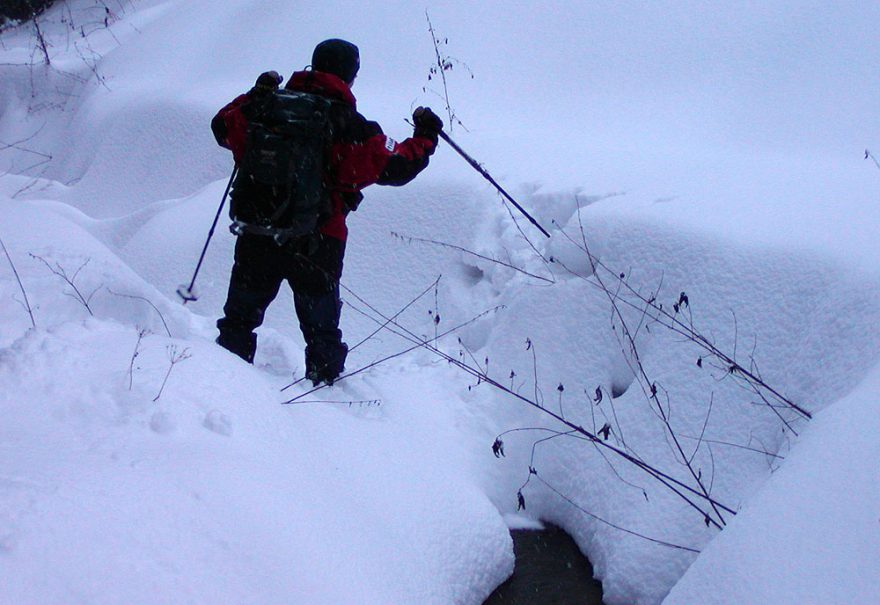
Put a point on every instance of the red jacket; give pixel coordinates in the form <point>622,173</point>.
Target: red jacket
<point>360,155</point>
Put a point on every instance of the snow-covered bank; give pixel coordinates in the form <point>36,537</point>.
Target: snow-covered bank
<point>385,488</point>
<point>215,493</point>
<point>121,487</point>
<point>809,325</point>
<point>811,535</point>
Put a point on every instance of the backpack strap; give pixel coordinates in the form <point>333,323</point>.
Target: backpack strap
<point>278,235</point>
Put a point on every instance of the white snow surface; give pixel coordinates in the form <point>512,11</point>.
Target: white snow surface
<point>141,463</point>
<point>813,534</point>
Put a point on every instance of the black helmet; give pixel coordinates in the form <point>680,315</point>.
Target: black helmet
<point>337,57</point>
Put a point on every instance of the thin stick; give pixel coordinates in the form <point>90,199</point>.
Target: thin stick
<point>476,166</point>
<point>360,402</point>
<point>441,67</point>
<point>736,445</point>
<point>610,524</point>
<point>676,486</point>
<point>379,329</point>
<point>134,355</point>
<point>71,281</point>
<point>41,41</point>
<point>174,357</point>
<point>472,253</point>
<point>705,424</point>
<point>673,323</point>
<point>418,344</point>
<point>27,303</point>
<point>649,387</point>
<point>149,302</point>
<point>670,482</point>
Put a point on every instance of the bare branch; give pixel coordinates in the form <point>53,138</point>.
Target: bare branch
<point>610,524</point>
<point>442,64</point>
<point>149,302</point>
<point>705,424</point>
<point>359,402</point>
<point>408,238</point>
<point>27,303</point>
<point>134,355</point>
<point>381,326</point>
<point>870,155</point>
<point>174,357</point>
<point>70,281</point>
<point>684,491</point>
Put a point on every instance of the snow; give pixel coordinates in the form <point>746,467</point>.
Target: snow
<point>661,135</point>
<point>812,317</point>
<point>207,489</point>
<point>812,534</point>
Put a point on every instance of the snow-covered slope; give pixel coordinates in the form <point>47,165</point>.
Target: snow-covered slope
<point>811,535</point>
<point>128,478</point>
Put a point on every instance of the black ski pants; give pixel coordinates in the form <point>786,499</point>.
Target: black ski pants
<point>312,267</point>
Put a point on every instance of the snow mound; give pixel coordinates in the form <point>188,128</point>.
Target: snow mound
<point>150,466</point>
<point>808,323</point>
<point>811,534</point>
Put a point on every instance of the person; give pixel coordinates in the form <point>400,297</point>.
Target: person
<point>360,155</point>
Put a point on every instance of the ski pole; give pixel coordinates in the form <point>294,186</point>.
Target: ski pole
<point>186,293</point>
<point>476,166</point>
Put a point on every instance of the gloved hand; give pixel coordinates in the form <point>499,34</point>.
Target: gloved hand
<point>268,81</point>
<point>427,123</point>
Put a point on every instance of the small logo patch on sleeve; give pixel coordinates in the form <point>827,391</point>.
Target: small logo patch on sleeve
<point>390,144</point>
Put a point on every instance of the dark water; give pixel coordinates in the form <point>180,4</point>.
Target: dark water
<point>550,570</point>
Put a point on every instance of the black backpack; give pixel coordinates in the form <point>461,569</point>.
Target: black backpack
<point>280,189</point>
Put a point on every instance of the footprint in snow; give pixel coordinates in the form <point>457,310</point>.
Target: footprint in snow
<point>162,423</point>
<point>218,422</point>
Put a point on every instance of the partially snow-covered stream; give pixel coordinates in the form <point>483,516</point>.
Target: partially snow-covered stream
<point>549,569</point>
